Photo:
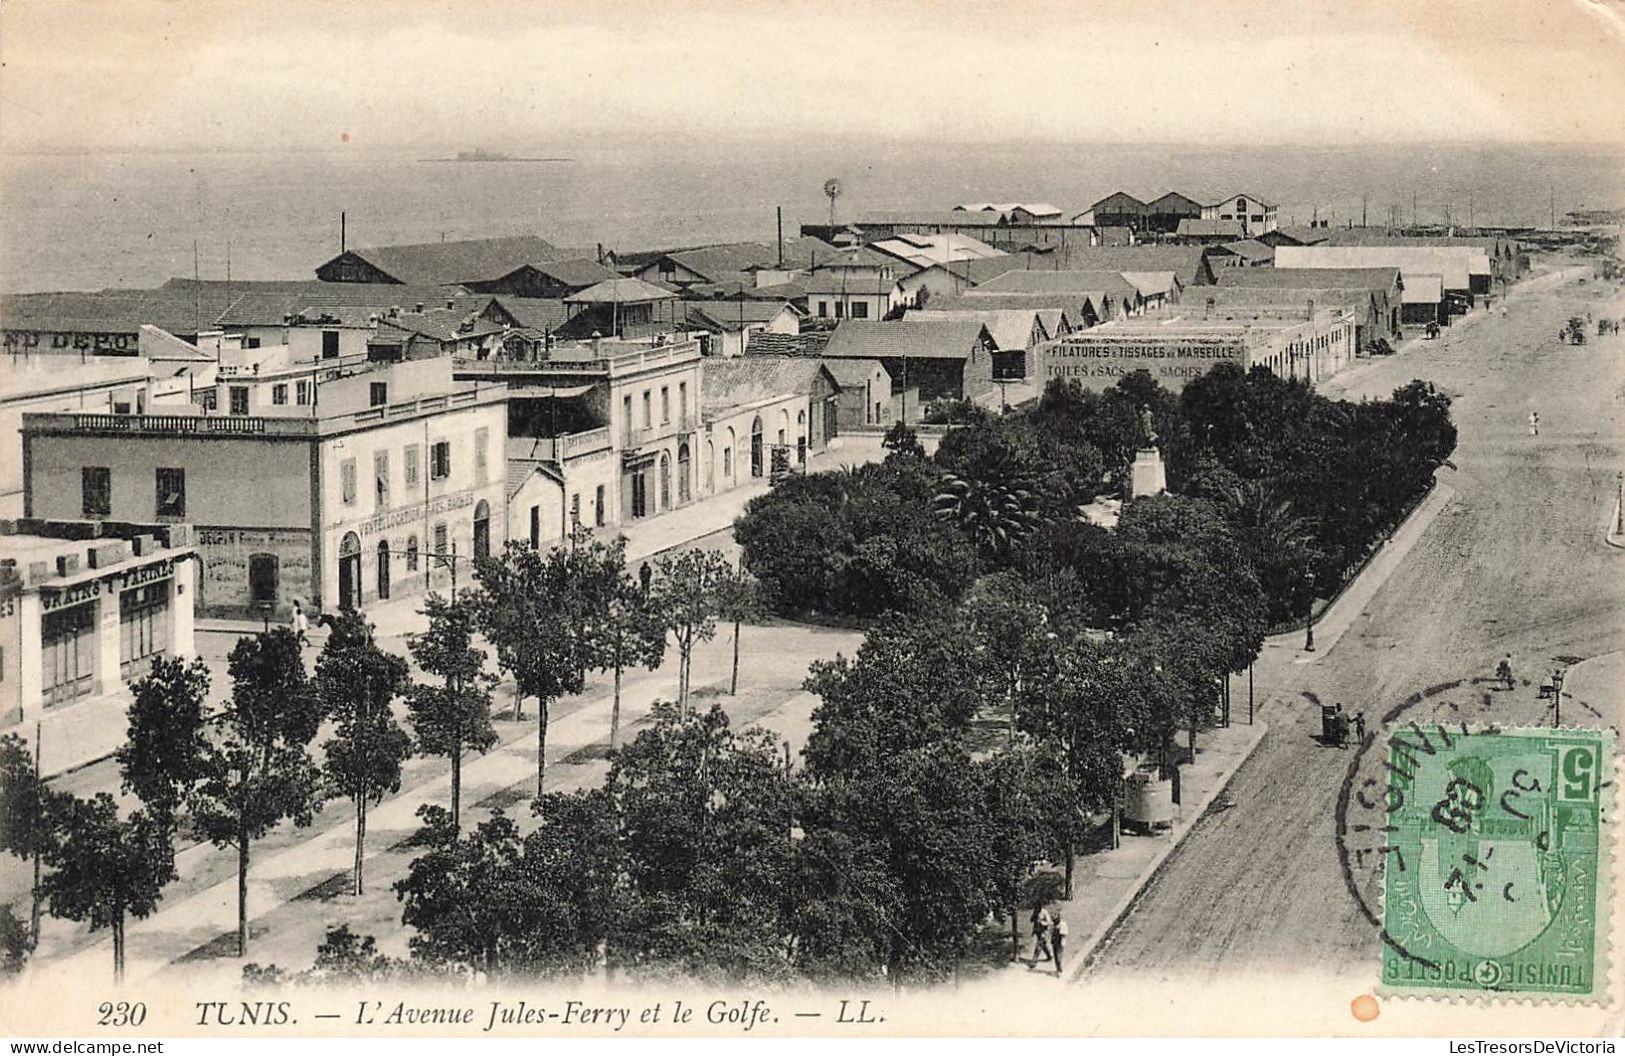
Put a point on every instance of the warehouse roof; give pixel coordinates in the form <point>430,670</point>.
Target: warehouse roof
<point>947,338</point>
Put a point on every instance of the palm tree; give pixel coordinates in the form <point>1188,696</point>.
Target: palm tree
<point>994,515</point>
<point>1280,542</point>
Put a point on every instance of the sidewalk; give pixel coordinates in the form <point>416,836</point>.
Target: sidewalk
<point>196,922</point>
<point>1106,883</point>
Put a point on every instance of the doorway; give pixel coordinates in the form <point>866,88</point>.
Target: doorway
<point>350,572</point>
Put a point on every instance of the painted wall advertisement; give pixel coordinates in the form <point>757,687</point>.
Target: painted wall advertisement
<point>1099,361</point>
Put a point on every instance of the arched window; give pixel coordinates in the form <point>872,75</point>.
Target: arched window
<point>482,529</point>
<point>756,446</point>
<point>383,570</point>
<point>684,465</point>
<point>350,571</point>
<point>665,481</point>
<point>710,467</point>
<point>412,553</point>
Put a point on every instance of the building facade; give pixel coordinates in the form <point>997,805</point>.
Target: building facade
<point>389,481</point>
<point>84,608</point>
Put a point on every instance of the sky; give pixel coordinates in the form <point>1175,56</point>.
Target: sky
<point>522,77</point>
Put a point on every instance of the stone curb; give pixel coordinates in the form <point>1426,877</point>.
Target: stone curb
<point>1121,908</point>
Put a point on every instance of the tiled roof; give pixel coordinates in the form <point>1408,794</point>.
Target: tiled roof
<point>839,281</point>
<point>1193,227</point>
<point>620,291</point>
<point>112,311</point>
<point>1304,235</point>
<point>1184,261</point>
<point>1152,283</point>
<point>719,263</point>
<point>1423,289</point>
<point>1251,249</point>
<point>810,343</point>
<point>1310,278</point>
<point>947,338</point>
<point>734,315</point>
<point>265,303</point>
<point>1010,328</point>
<point>804,251</point>
<point>444,324</point>
<point>579,272</point>
<point>1111,282</point>
<point>981,302</point>
<point>471,260</point>
<point>852,372</point>
<point>535,313</point>
<point>741,380</point>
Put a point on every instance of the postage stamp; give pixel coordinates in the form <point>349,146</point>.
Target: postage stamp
<point>1496,869</point>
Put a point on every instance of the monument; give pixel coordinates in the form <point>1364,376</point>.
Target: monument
<point>1147,477</point>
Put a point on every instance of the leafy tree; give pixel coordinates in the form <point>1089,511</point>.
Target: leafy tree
<point>842,901</point>
<point>454,716</point>
<point>106,869</point>
<point>706,817</point>
<point>356,682</point>
<point>913,682</point>
<point>1011,633</point>
<point>1027,799</point>
<point>625,625</point>
<point>464,894</point>
<point>688,594</point>
<point>162,756</point>
<point>526,605</point>
<point>901,441</point>
<point>16,943</point>
<point>26,814</point>
<point>345,957</point>
<point>994,515</point>
<point>739,599</point>
<point>571,864</point>
<point>257,769</point>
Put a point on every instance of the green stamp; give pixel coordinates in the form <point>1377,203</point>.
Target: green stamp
<point>1496,869</point>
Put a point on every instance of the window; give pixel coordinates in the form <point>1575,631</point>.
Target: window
<point>575,510</point>
<point>409,467</point>
<point>626,414</point>
<point>279,394</point>
<point>536,527</point>
<point>171,492</point>
<point>598,512</point>
<point>121,407</point>
<point>482,443</point>
<point>347,480</point>
<point>97,484</point>
<point>682,401</point>
<point>264,579</point>
<point>1241,205</point>
<point>68,648</point>
<point>251,342</point>
<point>378,394</point>
<point>239,399</point>
<point>301,393</point>
<point>665,404</point>
<point>143,624</point>
<point>648,414</point>
<point>823,309</point>
<point>440,460</point>
<point>330,344</point>
<point>411,553</point>
<point>482,529</point>
<point>840,310</point>
<point>665,481</point>
<point>860,310</point>
<point>727,463</point>
<point>440,539</point>
<point>380,477</point>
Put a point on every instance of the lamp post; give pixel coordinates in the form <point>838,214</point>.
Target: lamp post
<point>1309,611</point>
<point>1557,696</point>
<point>449,560</point>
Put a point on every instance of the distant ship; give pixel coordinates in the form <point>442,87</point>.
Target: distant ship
<point>491,155</point>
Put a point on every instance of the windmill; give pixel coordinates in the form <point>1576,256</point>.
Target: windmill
<point>832,190</point>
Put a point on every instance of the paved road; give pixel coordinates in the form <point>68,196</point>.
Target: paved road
<point>1515,563</point>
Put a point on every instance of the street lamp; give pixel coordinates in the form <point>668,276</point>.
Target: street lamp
<point>1557,696</point>
<point>449,560</point>
<point>1309,610</point>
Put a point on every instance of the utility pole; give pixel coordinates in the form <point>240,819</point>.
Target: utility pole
<point>1364,200</point>
<point>1413,206</point>
<point>1551,189</point>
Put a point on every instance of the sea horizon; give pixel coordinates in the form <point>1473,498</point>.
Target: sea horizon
<point>95,219</point>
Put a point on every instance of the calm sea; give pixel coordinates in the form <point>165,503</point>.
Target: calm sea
<point>92,220</point>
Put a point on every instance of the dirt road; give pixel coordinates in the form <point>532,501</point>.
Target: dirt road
<point>1515,563</point>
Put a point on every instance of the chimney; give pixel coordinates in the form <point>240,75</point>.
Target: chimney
<point>394,311</point>
<point>420,307</point>
<point>450,304</point>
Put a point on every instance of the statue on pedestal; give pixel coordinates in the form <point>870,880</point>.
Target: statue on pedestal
<point>1146,427</point>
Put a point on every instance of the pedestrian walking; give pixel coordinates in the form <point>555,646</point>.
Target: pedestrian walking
<point>1057,940</point>
<point>645,574</point>
<point>1359,726</point>
<point>1534,423</point>
<point>301,625</point>
<point>1041,925</point>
